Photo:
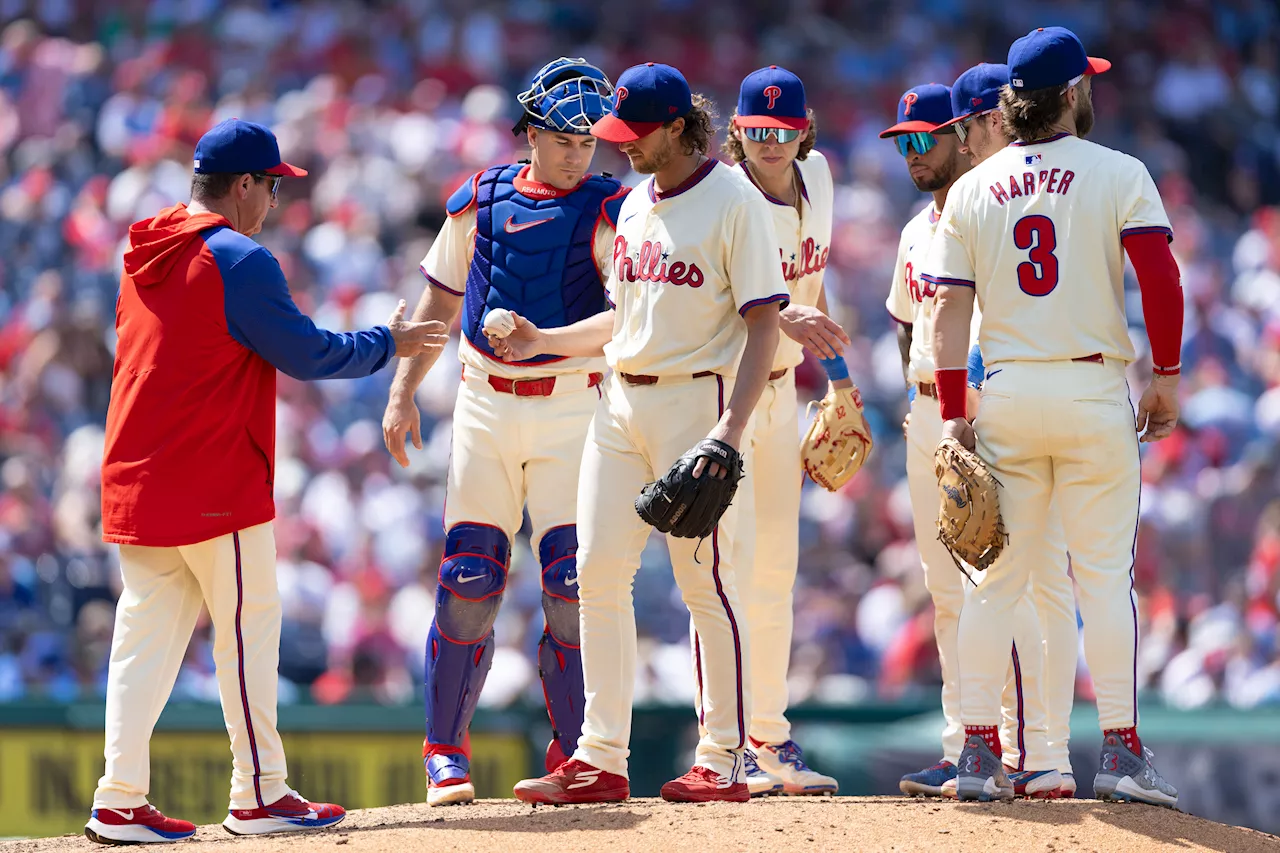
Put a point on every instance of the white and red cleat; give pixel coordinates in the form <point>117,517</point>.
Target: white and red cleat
<point>139,825</point>
<point>290,813</point>
<point>574,782</point>
<point>704,785</point>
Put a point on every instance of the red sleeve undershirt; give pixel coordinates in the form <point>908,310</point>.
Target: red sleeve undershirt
<point>1161,287</point>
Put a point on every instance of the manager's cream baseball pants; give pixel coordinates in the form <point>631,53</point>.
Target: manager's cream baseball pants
<point>1059,433</point>
<point>235,577</point>
<point>637,433</point>
<point>1038,677</point>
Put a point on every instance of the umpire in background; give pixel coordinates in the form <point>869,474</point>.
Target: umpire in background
<point>204,320</point>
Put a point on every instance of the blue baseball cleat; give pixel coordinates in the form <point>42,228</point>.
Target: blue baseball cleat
<point>928,782</point>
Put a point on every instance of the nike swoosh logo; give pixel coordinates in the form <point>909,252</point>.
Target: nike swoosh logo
<point>461,579</point>
<point>629,218</point>
<point>513,227</point>
<point>126,815</point>
<point>573,581</point>
<point>993,373</point>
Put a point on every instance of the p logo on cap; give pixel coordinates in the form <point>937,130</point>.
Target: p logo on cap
<point>772,93</point>
<point>909,101</point>
<point>772,97</point>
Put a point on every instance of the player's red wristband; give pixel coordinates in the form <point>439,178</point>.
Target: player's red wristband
<point>1166,371</point>
<point>952,390</point>
<point>1161,287</point>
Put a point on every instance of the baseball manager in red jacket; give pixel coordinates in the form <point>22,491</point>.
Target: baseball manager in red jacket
<point>204,320</point>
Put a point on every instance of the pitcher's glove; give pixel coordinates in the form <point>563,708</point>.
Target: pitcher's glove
<point>690,508</point>
<point>969,522</point>
<point>838,441</point>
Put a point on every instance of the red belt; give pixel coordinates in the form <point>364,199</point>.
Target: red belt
<point>644,379</point>
<point>927,389</point>
<point>777,374</point>
<point>1096,358</point>
<point>535,387</point>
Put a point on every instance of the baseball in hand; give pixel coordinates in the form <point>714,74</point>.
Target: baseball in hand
<point>499,323</point>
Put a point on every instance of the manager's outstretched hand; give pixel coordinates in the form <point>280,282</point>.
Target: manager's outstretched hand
<point>415,338</point>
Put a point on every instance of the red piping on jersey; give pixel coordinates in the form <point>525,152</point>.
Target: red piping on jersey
<point>1161,286</point>
<point>434,282</point>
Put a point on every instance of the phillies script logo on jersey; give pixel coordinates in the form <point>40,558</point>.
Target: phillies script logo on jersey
<point>811,260</point>
<point>650,264</point>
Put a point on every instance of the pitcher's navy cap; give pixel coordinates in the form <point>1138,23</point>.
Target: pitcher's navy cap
<point>977,91</point>
<point>772,97</point>
<point>1050,56</point>
<point>647,97</point>
<point>236,147</point>
<point>922,109</point>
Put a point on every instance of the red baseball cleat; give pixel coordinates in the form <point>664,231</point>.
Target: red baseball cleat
<point>574,782</point>
<point>704,785</point>
<point>290,813</point>
<point>139,825</point>
<point>555,756</point>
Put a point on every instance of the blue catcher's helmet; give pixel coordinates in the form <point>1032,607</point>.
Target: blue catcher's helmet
<point>567,95</point>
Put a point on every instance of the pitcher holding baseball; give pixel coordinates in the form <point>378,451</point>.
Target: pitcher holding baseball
<point>532,239</point>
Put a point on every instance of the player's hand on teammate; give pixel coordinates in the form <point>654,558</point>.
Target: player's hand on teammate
<point>906,425</point>
<point>962,431</point>
<point>414,338</point>
<point>400,417</point>
<point>817,332</point>
<point>525,341</point>
<point>729,436</point>
<point>1158,408</point>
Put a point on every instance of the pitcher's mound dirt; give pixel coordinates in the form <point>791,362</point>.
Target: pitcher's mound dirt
<point>839,824</point>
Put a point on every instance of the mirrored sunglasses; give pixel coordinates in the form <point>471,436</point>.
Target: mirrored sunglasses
<point>922,142</point>
<point>762,134</point>
<point>273,182</point>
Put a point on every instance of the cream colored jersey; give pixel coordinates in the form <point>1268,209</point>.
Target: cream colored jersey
<point>687,264</point>
<point>449,261</point>
<point>804,240</point>
<point>912,299</point>
<point>1038,228</point>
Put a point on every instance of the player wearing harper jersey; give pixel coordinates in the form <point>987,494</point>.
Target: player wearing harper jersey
<point>1039,231</point>
<point>770,139</point>
<point>532,239</point>
<point>935,162</point>
<point>691,342</point>
<point>975,100</point>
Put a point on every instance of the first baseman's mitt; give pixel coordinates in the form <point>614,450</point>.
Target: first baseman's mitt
<point>838,441</point>
<point>688,508</point>
<point>969,522</point>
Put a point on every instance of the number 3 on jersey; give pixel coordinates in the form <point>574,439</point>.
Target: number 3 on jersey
<point>1038,275</point>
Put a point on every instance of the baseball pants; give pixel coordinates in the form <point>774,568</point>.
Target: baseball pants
<point>234,576</point>
<point>1059,433</point>
<point>1026,710</point>
<point>637,433</point>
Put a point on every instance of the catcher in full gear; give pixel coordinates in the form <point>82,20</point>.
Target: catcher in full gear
<point>771,140</point>
<point>533,239</point>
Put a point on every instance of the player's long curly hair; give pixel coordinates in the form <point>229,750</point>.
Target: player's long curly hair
<point>733,146</point>
<point>1029,115</point>
<point>699,126</point>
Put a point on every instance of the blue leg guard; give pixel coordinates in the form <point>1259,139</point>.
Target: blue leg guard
<point>473,576</point>
<point>559,656</point>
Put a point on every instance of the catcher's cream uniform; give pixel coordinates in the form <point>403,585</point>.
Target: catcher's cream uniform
<point>1038,228</point>
<point>686,265</point>
<point>1027,740</point>
<point>804,242</point>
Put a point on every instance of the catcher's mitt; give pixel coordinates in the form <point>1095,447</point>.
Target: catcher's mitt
<point>688,508</point>
<point>838,441</point>
<point>969,522</point>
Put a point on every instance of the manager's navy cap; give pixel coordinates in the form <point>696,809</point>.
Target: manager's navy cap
<point>647,96</point>
<point>977,91</point>
<point>772,97</point>
<point>236,146</point>
<point>1050,56</point>
<point>922,109</point>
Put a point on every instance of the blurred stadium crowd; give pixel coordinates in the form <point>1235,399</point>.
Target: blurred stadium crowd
<point>391,104</point>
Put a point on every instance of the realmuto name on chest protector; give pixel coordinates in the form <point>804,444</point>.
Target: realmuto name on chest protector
<point>651,261</point>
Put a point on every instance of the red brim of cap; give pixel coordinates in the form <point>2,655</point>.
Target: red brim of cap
<point>613,129</point>
<point>287,170</point>
<point>909,127</point>
<point>1097,66</point>
<point>783,122</point>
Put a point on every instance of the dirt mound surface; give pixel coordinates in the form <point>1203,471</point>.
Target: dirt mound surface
<point>839,823</point>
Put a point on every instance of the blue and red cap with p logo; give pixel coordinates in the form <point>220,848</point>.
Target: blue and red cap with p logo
<point>238,147</point>
<point>977,91</point>
<point>922,109</point>
<point>772,97</point>
<point>647,97</point>
<point>1050,56</point>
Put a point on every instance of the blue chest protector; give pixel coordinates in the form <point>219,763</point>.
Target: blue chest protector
<point>533,256</point>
